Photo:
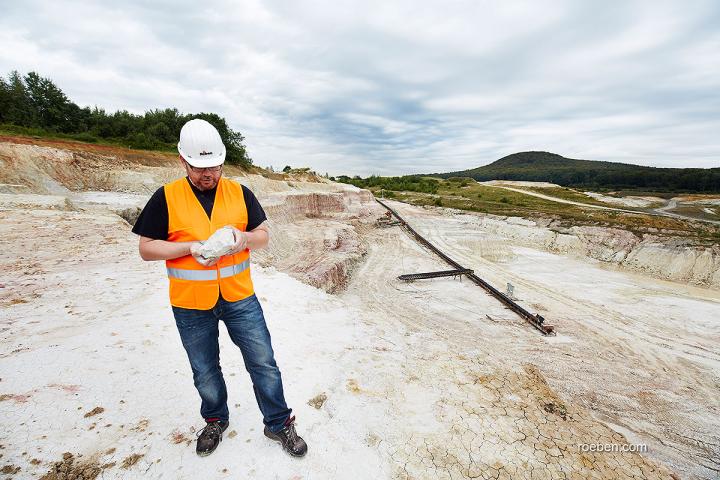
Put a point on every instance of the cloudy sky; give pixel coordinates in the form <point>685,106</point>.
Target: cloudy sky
<point>363,87</point>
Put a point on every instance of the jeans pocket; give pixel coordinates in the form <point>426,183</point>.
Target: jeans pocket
<point>187,319</point>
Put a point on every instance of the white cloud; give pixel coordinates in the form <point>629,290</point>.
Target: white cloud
<point>397,87</point>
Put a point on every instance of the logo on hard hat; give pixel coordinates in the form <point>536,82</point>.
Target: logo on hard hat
<point>205,153</point>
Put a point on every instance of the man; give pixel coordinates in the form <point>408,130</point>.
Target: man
<point>172,226</point>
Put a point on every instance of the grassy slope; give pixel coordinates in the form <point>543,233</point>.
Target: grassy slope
<point>485,199</point>
<point>38,133</point>
<point>566,194</point>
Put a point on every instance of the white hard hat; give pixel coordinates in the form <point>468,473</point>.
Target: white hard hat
<point>200,144</point>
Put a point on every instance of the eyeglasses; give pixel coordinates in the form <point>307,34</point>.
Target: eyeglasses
<point>209,169</point>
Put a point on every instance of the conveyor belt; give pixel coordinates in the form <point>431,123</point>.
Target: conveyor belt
<point>535,320</point>
<point>445,273</point>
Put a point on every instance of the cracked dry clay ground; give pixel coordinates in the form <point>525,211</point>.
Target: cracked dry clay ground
<point>463,408</point>
<point>653,378</point>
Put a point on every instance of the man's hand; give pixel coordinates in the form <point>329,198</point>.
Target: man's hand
<point>241,241</point>
<point>205,262</point>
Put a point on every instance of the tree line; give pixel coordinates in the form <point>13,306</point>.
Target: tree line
<point>653,180</point>
<point>34,105</point>
<point>398,184</point>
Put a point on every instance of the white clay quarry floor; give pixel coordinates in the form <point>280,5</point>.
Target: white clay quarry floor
<point>423,380</point>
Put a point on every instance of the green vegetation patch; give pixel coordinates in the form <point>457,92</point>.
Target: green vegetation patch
<point>35,106</point>
<point>398,184</point>
<point>497,201</point>
<point>567,194</point>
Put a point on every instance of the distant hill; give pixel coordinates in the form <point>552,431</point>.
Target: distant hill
<point>551,167</point>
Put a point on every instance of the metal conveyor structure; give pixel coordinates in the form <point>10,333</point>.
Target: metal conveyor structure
<point>445,273</point>
<point>537,321</point>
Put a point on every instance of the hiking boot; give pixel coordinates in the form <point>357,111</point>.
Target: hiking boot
<point>210,437</point>
<point>288,438</point>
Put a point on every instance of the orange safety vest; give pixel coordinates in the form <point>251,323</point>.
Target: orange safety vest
<point>191,284</point>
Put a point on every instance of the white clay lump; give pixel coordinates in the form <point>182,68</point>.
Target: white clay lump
<point>219,243</point>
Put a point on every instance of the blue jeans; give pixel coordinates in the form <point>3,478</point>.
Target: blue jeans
<point>246,325</point>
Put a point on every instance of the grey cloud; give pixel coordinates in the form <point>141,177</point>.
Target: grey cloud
<point>398,87</point>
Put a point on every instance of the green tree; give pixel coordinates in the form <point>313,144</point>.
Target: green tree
<point>5,99</point>
<point>19,109</point>
<point>51,106</point>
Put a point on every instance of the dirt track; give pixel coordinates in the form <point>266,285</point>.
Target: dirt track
<point>662,212</point>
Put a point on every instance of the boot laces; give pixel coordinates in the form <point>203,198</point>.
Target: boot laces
<point>292,435</point>
<point>212,429</point>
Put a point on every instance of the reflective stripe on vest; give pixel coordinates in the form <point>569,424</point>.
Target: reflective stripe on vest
<point>229,271</point>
